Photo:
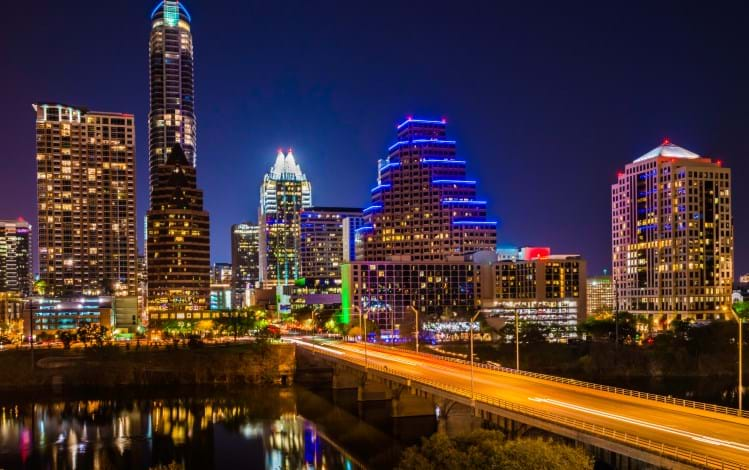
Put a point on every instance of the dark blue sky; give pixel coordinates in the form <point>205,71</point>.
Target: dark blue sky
<point>546,99</point>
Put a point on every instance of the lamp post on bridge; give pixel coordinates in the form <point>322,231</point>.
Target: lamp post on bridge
<point>416,312</point>
<point>473,393</point>
<point>363,327</point>
<point>740,322</point>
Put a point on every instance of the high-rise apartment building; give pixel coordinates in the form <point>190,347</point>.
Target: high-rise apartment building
<point>322,247</point>
<point>672,236</point>
<point>423,207</point>
<point>178,246</point>
<point>171,119</point>
<point>285,192</point>
<point>15,257</point>
<point>86,200</point>
<point>245,260</point>
<point>600,295</point>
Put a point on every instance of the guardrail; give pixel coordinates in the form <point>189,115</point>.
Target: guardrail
<point>603,388</point>
<point>659,448</point>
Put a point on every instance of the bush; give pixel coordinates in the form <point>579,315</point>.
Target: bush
<point>488,450</point>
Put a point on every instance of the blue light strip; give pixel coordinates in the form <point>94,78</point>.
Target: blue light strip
<point>390,165</point>
<point>379,188</point>
<point>181,7</point>
<point>458,182</point>
<point>421,141</point>
<point>474,222</point>
<point>469,203</point>
<point>371,209</point>
<point>420,121</point>
<point>446,162</point>
<point>366,228</point>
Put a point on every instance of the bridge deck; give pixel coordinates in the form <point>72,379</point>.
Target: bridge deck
<point>721,437</point>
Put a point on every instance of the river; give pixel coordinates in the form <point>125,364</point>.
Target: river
<point>252,428</point>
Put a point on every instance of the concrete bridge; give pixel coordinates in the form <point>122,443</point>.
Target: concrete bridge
<point>625,428</point>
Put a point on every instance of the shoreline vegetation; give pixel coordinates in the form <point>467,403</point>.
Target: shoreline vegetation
<point>110,366</point>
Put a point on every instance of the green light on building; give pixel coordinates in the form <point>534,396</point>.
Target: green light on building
<point>346,293</point>
<point>171,14</point>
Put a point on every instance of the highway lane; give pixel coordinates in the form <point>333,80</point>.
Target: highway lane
<point>702,432</point>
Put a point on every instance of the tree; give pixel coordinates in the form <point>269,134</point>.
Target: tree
<point>67,338</point>
<point>84,333</point>
<point>488,450</point>
<point>99,334</point>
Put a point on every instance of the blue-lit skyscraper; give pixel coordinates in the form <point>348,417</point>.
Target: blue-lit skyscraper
<point>423,207</point>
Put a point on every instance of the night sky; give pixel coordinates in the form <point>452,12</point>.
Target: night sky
<point>547,100</point>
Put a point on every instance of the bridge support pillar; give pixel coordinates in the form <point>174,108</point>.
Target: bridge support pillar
<point>373,391</point>
<point>343,379</point>
<point>406,404</point>
<point>456,418</point>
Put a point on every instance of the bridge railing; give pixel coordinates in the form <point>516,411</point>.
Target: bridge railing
<point>603,388</point>
<point>658,448</point>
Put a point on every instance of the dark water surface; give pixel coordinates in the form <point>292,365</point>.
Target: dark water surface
<point>238,428</point>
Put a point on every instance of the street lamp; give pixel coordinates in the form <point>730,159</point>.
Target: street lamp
<point>738,319</point>
<point>473,399</point>
<point>366,362</point>
<point>313,329</point>
<point>363,327</point>
<point>517,339</point>
<point>416,312</point>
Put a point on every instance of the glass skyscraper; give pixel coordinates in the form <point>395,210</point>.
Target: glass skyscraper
<point>171,119</point>
<point>285,192</point>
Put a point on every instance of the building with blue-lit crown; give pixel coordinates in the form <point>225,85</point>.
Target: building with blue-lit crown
<point>423,206</point>
<point>171,118</point>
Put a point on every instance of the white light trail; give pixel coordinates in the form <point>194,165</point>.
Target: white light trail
<point>645,424</point>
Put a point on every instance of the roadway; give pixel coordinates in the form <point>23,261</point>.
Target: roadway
<point>708,433</point>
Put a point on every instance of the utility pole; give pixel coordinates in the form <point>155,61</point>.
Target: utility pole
<point>740,322</point>
<point>517,339</point>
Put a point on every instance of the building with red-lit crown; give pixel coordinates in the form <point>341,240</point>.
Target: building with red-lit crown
<point>672,236</point>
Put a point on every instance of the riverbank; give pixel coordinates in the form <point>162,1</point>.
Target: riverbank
<point>248,363</point>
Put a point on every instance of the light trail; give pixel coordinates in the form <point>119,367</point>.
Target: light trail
<point>315,346</point>
<point>645,424</point>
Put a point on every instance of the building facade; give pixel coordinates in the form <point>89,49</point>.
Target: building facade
<point>171,119</point>
<point>86,200</point>
<point>672,236</point>
<point>245,261</point>
<point>284,194</point>
<point>323,241</point>
<point>600,295</point>
<point>423,207</point>
<point>545,290</point>
<point>387,291</point>
<point>16,257</point>
<point>221,273</point>
<point>178,243</point>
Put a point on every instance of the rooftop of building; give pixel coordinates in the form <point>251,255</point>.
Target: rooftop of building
<point>668,150</point>
<point>159,8</point>
<point>335,209</point>
<point>286,168</point>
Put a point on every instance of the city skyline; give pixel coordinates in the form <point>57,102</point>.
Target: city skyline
<point>677,111</point>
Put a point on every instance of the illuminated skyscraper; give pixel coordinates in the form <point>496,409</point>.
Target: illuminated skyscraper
<point>423,207</point>
<point>672,236</point>
<point>284,194</point>
<point>15,256</point>
<point>600,295</point>
<point>171,119</point>
<point>323,242</point>
<point>245,260</point>
<point>86,201</point>
<point>178,247</point>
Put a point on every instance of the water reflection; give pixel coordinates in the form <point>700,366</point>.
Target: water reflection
<point>252,429</point>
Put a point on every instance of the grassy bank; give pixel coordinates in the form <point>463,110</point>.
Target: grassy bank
<point>111,367</point>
